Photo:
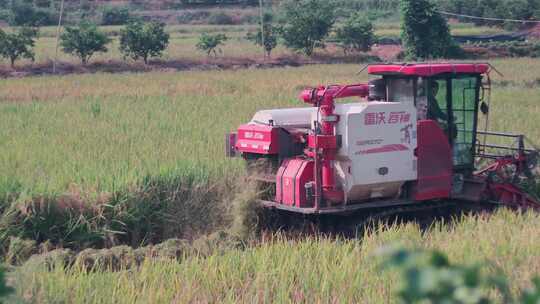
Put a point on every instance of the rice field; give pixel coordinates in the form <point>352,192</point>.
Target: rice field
<point>138,157</point>
<point>104,132</point>
<point>314,270</point>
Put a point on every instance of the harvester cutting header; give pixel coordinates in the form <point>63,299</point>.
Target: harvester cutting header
<point>412,139</point>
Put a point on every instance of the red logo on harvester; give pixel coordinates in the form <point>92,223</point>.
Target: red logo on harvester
<point>383,118</point>
<point>254,135</point>
<point>383,149</point>
<point>406,134</point>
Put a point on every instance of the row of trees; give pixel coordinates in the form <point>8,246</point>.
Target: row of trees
<point>138,40</point>
<point>425,34</point>
<point>309,23</point>
<point>302,34</point>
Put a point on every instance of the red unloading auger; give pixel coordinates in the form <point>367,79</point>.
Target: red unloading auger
<point>323,141</point>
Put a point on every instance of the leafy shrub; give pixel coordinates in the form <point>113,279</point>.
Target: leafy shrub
<point>143,40</point>
<point>220,18</point>
<point>115,16</point>
<point>429,277</point>
<point>5,15</point>
<point>356,34</point>
<point>308,23</point>
<point>531,295</point>
<point>424,32</point>
<point>210,43</point>
<point>18,44</point>
<point>25,14</point>
<point>270,35</point>
<point>4,289</point>
<point>84,40</point>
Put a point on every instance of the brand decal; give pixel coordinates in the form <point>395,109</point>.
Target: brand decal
<point>384,118</point>
<point>253,135</point>
<point>369,142</point>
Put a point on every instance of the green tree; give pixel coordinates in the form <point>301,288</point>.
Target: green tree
<point>424,32</point>
<point>270,35</point>
<point>356,34</point>
<point>4,289</point>
<point>83,41</point>
<point>210,43</point>
<point>16,45</point>
<point>307,24</point>
<point>143,40</point>
<point>25,14</point>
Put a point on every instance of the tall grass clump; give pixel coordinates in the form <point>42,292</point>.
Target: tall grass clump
<point>160,207</point>
<point>245,212</point>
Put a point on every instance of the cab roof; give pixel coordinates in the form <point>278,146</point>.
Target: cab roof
<point>428,69</point>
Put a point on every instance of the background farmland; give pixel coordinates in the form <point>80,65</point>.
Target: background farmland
<point>99,156</point>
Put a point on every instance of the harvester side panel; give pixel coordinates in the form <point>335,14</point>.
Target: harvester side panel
<point>377,155</point>
<point>258,139</point>
<point>434,162</point>
<point>291,179</point>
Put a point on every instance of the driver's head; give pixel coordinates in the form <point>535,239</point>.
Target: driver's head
<point>434,88</point>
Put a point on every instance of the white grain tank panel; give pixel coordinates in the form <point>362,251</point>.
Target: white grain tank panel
<point>287,118</point>
<point>377,153</point>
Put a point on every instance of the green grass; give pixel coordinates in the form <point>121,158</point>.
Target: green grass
<point>313,270</point>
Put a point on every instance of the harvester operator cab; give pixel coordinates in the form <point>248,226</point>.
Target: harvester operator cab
<point>447,94</point>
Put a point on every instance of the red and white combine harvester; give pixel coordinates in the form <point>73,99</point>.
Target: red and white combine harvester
<point>412,139</point>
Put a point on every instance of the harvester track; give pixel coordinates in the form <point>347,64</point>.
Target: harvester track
<point>355,224</point>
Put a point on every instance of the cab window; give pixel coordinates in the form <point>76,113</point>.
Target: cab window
<point>400,90</point>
